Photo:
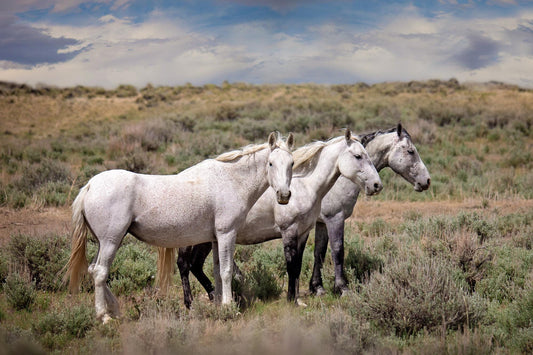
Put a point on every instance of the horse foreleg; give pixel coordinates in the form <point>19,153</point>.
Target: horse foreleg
<point>293,249</point>
<point>226,250</point>
<point>302,240</point>
<point>321,246</point>
<point>335,228</point>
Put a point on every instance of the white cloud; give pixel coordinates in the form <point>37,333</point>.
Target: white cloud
<point>406,46</point>
<point>118,51</point>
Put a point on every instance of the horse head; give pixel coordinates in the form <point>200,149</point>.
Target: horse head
<point>279,166</point>
<point>404,159</point>
<point>356,165</point>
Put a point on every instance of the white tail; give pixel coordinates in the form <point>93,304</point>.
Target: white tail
<point>166,259</point>
<point>77,263</point>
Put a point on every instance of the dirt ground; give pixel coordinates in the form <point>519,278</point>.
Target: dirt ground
<point>395,211</point>
<point>37,222</point>
<point>45,221</point>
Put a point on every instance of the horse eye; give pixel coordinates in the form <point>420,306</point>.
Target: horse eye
<point>358,156</point>
<point>270,164</point>
<point>292,164</point>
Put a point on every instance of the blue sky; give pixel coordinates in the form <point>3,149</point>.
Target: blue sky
<point>112,42</point>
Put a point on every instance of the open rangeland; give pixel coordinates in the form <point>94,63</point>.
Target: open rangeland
<point>447,270</point>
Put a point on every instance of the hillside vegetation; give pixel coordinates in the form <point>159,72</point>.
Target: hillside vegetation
<point>430,280</point>
<point>475,139</point>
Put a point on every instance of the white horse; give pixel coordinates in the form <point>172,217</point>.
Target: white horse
<point>204,203</point>
<point>317,167</point>
<point>393,148</point>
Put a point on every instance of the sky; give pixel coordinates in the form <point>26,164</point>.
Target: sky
<point>107,43</point>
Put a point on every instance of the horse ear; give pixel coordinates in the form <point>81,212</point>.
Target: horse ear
<point>272,140</point>
<point>348,135</point>
<point>399,130</point>
<point>290,141</point>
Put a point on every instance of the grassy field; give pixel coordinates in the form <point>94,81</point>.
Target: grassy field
<point>449,270</point>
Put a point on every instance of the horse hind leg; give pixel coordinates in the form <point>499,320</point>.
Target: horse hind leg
<point>321,246</point>
<point>200,254</point>
<point>106,304</point>
<point>184,266</point>
<point>336,240</point>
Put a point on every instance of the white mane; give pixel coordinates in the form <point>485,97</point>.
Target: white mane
<point>303,156</point>
<point>250,149</point>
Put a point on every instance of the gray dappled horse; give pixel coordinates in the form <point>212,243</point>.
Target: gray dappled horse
<point>204,203</point>
<point>317,167</point>
<point>392,148</point>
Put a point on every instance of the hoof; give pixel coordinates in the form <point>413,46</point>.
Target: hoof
<point>345,292</point>
<point>106,319</point>
<point>300,303</point>
<point>320,291</point>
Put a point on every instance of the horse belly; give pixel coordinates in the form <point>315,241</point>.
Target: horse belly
<point>254,234</point>
<point>174,228</point>
<point>172,236</point>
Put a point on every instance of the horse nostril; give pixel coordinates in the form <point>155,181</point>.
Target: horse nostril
<point>429,182</point>
<point>376,186</point>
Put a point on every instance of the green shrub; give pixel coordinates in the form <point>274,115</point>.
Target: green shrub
<point>78,320</point>
<point>4,265</point>
<point>519,158</point>
<point>377,228</point>
<point>126,91</point>
<point>138,162</point>
<point>20,294</point>
<point>515,323</point>
<point>273,259</point>
<point>54,193</point>
<point>52,323</point>
<point>36,175</point>
<point>49,331</point>
<point>14,340</point>
<point>263,282</point>
<point>42,257</point>
<point>134,267</point>
<point>416,293</point>
<point>57,328</point>
<point>507,274</point>
<point>358,263</point>
<point>350,333</point>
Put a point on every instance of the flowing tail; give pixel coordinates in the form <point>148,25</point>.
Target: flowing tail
<point>77,263</point>
<point>166,258</point>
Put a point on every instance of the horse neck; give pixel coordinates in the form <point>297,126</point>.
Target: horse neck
<point>379,148</point>
<point>326,171</point>
<point>249,172</point>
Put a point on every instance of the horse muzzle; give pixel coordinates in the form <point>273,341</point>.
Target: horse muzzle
<point>419,187</point>
<point>374,189</point>
<point>283,197</point>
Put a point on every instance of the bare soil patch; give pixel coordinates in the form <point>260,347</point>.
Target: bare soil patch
<point>368,210</point>
<point>36,222</point>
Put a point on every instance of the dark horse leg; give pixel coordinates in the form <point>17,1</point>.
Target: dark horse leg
<point>294,249</point>
<point>321,246</point>
<point>192,258</point>
<point>335,227</point>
